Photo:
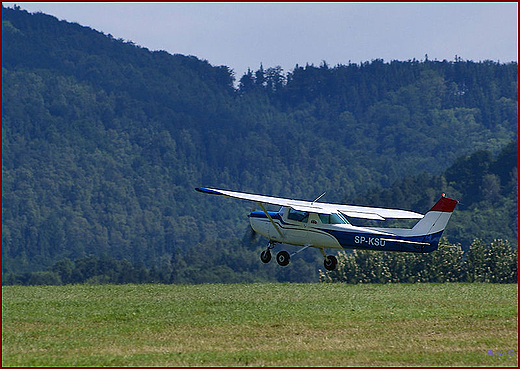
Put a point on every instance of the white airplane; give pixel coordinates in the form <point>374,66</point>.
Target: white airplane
<point>325,226</point>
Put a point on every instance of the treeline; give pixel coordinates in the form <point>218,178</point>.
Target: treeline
<point>104,141</point>
<point>496,262</point>
<point>230,263</point>
<point>416,86</point>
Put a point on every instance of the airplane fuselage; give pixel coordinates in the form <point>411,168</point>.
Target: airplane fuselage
<point>334,231</point>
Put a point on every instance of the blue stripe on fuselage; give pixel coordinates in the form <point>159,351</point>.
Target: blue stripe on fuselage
<point>261,214</point>
<point>368,241</point>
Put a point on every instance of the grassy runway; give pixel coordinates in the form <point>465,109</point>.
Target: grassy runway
<point>261,324</point>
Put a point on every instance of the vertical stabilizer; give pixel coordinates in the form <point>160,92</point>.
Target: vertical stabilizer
<point>436,219</point>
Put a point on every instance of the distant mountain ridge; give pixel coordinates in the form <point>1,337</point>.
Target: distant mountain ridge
<point>103,141</point>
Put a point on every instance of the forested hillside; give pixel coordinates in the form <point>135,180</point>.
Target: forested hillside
<point>103,142</point>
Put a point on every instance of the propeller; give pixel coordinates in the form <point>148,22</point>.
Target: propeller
<point>250,236</point>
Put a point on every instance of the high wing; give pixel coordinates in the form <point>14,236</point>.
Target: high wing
<point>315,207</point>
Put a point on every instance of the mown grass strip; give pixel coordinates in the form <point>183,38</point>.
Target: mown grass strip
<point>260,324</point>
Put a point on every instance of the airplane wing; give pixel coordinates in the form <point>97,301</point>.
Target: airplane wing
<point>318,207</point>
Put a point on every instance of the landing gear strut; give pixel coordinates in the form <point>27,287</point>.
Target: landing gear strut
<point>283,257</point>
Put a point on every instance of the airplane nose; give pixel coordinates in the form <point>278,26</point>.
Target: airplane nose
<point>257,222</point>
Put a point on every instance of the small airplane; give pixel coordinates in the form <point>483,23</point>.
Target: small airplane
<point>326,226</point>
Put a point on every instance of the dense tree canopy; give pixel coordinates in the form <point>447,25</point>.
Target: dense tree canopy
<point>104,141</point>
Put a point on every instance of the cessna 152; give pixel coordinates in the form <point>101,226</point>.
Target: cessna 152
<point>326,226</point>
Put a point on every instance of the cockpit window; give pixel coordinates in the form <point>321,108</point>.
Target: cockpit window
<point>333,219</point>
<point>299,216</point>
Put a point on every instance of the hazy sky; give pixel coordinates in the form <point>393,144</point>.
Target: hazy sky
<point>243,35</point>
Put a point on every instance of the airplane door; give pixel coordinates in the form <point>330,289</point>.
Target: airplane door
<point>297,233</point>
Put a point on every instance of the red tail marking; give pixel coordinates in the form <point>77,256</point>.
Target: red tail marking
<point>445,204</point>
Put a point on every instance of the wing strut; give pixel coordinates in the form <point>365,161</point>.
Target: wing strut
<point>271,219</point>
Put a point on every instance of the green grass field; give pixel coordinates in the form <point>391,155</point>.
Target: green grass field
<point>261,325</point>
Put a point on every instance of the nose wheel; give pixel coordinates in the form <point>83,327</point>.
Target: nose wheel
<point>265,256</point>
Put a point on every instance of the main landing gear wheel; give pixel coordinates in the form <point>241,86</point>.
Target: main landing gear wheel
<point>283,258</point>
<point>265,256</point>
<point>330,262</point>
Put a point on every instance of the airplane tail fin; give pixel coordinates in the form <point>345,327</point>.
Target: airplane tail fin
<point>435,220</point>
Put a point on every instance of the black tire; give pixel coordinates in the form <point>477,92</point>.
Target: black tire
<point>330,262</point>
<point>265,256</point>
<point>283,258</point>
